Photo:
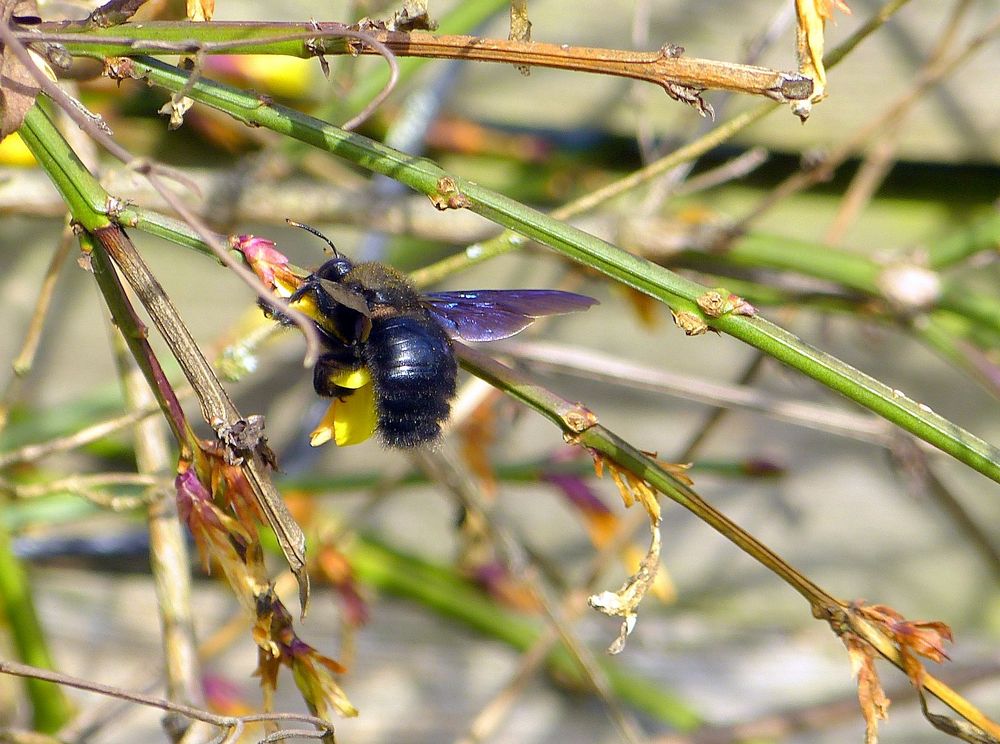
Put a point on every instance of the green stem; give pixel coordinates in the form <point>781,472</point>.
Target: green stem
<point>51,708</point>
<point>83,194</point>
<point>582,426</point>
<point>847,268</point>
<point>981,235</point>
<point>679,293</point>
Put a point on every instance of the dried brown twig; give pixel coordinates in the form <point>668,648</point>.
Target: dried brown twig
<point>233,726</point>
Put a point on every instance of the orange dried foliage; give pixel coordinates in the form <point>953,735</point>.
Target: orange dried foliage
<point>871,696</point>
<point>913,637</point>
<point>476,435</point>
<point>631,487</point>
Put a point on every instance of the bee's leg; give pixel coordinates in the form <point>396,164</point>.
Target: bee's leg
<point>330,366</point>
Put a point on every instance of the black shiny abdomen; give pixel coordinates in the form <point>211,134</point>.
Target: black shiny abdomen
<point>413,368</point>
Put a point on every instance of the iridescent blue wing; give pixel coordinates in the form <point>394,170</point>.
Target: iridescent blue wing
<point>493,314</point>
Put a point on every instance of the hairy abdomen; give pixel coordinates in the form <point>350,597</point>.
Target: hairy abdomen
<point>413,368</point>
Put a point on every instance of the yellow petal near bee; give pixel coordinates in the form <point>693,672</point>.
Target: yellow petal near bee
<point>349,420</point>
<point>14,152</point>
<point>306,304</point>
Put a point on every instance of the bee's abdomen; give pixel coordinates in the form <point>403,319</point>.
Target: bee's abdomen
<point>413,368</point>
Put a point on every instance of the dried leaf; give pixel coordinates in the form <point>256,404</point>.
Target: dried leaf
<point>871,696</point>
<point>631,487</point>
<point>625,602</point>
<point>663,587</point>
<point>689,95</point>
<point>520,28</point>
<point>200,10</point>
<point>413,17</point>
<point>962,730</point>
<point>313,672</point>
<point>175,108</point>
<point>691,323</point>
<point>18,88</point>
<point>913,637</point>
<point>476,434</point>
<point>812,16</point>
<point>114,12</point>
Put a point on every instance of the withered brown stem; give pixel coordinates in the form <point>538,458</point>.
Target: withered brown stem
<point>217,408</point>
<point>666,67</point>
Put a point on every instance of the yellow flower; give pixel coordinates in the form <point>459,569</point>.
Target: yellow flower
<point>351,419</point>
<point>13,151</point>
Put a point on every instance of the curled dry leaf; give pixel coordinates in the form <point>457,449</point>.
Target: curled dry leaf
<point>476,435</point>
<point>871,696</point>
<point>413,16</point>
<point>913,637</point>
<point>630,486</point>
<point>812,16</point>
<point>959,729</point>
<point>18,88</point>
<point>520,27</point>
<point>602,525</point>
<point>625,602</point>
<point>200,10</point>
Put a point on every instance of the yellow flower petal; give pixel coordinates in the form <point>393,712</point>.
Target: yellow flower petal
<point>324,432</point>
<point>13,151</point>
<point>353,379</point>
<point>350,420</point>
<point>305,305</point>
<point>289,77</point>
<point>355,418</point>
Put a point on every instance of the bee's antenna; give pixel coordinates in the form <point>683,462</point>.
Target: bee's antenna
<point>315,232</point>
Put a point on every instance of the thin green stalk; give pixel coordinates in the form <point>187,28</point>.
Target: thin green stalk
<point>84,195</point>
<point>510,240</point>
<point>679,293</point>
<point>583,426</point>
<point>847,268</point>
<point>981,235</point>
<point>168,228</point>
<point>50,708</point>
<point>691,151</point>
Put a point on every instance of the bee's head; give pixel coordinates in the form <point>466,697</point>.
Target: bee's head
<point>335,269</point>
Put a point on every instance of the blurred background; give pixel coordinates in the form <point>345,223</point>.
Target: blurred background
<point>844,498</point>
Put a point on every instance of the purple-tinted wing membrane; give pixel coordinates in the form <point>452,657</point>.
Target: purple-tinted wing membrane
<point>493,314</point>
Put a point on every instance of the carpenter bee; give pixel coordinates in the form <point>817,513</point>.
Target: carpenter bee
<point>387,358</point>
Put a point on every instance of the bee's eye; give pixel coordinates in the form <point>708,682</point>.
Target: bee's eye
<point>335,269</point>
